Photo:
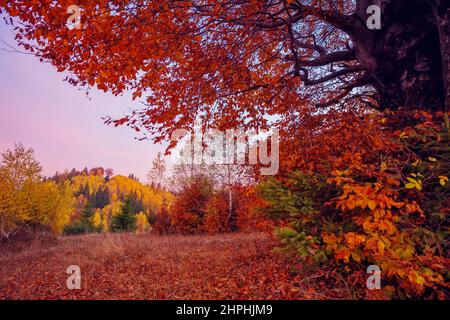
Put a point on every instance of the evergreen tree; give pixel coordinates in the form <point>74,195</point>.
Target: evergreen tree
<point>101,198</point>
<point>126,219</point>
<point>132,176</point>
<point>86,219</point>
<point>136,204</point>
<point>73,173</point>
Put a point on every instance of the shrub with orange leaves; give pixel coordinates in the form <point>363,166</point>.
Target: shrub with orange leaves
<point>382,199</point>
<point>161,221</point>
<point>248,214</point>
<point>217,217</point>
<point>188,210</point>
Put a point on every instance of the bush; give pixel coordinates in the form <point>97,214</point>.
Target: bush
<point>386,203</point>
<point>78,227</point>
<point>216,214</point>
<point>188,210</point>
<point>161,221</point>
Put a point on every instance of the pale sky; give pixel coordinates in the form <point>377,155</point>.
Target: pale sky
<point>60,123</point>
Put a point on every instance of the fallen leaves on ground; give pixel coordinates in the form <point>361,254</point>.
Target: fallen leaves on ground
<point>127,266</point>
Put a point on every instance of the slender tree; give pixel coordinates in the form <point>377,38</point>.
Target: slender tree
<point>156,174</point>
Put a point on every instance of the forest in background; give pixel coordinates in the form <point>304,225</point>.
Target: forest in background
<point>94,200</point>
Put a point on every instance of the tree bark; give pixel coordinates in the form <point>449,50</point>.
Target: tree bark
<point>403,59</point>
<point>441,11</point>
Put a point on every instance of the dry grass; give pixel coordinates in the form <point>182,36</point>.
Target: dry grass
<point>127,266</point>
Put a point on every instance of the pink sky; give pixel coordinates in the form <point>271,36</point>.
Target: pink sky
<point>60,123</point>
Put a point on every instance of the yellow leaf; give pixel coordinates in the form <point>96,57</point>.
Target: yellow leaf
<point>356,257</point>
<point>413,184</point>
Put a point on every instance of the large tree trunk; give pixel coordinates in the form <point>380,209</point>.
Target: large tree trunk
<point>441,11</point>
<point>403,59</point>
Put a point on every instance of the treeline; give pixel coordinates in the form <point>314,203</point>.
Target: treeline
<point>202,206</point>
<point>94,200</point>
<point>198,201</point>
<point>74,201</point>
<point>113,204</point>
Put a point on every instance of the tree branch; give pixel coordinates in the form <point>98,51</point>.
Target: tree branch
<point>329,77</point>
<point>329,58</point>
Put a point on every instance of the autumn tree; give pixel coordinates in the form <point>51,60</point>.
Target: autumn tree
<point>101,198</point>
<point>226,178</point>
<point>184,173</point>
<point>20,165</point>
<point>99,171</point>
<point>156,174</point>
<point>26,201</point>
<point>46,205</point>
<point>189,208</point>
<point>161,220</point>
<point>382,199</point>
<point>142,224</point>
<point>235,62</point>
<point>220,212</point>
<point>109,173</point>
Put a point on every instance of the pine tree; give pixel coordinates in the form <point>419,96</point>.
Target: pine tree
<point>133,177</point>
<point>86,219</point>
<point>101,198</point>
<point>126,219</point>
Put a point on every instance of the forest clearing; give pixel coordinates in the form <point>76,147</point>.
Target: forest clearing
<point>128,266</point>
<point>210,149</point>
